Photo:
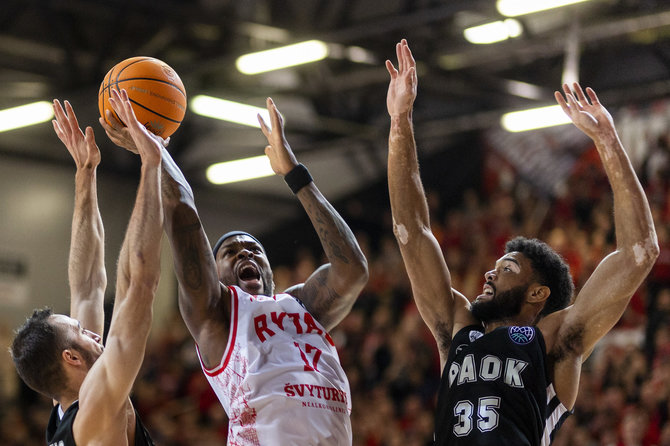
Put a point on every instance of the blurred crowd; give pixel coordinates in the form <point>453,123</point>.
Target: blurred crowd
<point>390,356</point>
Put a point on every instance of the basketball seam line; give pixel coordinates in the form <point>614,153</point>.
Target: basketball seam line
<point>117,82</point>
<point>157,114</point>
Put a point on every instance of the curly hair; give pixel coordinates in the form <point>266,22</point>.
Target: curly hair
<point>36,352</point>
<point>549,269</point>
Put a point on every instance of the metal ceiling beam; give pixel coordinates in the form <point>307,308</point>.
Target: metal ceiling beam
<point>520,51</point>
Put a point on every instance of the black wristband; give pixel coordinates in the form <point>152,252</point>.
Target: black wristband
<point>298,178</point>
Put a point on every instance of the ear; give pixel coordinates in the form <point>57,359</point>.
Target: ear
<point>538,293</point>
<point>72,357</point>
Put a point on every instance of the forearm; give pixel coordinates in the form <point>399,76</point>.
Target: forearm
<point>139,261</point>
<point>194,262</point>
<point>86,269</point>
<point>337,239</point>
<point>146,229</point>
<point>632,216</point>
<point>408,202</point>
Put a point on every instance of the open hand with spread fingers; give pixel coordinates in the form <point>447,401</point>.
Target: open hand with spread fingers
<point>587,113</point>
<point>81,145</point>
<point>278,150</point>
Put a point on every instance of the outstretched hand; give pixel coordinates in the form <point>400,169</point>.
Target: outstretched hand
<point>146,143</point>
<point>588,114</point>
<point>402,88</point>
<point>81,146</point>
<point>278,151</point>
<point>120,135</point>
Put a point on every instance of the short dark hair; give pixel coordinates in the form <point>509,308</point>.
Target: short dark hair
<point>36,352</point>
<point>550,270</point>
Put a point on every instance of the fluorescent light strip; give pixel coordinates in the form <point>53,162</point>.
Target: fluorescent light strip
<point>493,32</point>
<point>535,118</point>
<point>514,8</point>
<point>225,110</point>
<point>239,170</point>
<point>25,115</point>
<point>282,57</point>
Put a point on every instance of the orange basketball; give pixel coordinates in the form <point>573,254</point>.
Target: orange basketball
<point>155,91</point>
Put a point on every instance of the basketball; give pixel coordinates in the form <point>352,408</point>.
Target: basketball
<point>155,91</point>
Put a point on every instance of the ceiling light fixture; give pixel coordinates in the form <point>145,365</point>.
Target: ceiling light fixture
<point>239,170</point>
<point>25,115</point>
<point>534,118</point>
<point>231,111</point>
<point>493,32</point>
<point>514,8</point>
<point>282,57</point>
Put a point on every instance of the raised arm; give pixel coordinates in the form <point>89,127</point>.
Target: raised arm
<point>603,298</point>
<point>203,302</point>
<point>105,390</point>
<point>443,309</point>
<point>86,266</point>
<point>330,292</point>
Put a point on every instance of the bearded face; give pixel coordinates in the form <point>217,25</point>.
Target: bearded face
<point>501,306</point>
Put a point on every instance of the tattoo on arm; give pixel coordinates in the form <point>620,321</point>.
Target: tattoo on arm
<point>334,238</point>
<point>318,296</point>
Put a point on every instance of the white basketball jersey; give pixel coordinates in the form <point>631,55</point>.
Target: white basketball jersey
<point>280,379</point>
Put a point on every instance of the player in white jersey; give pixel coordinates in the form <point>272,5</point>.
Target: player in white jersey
<point>286,386</point>
<point>278,352</point>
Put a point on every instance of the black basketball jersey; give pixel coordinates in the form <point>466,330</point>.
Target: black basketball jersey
<point>59,430</point>
<point>496,391</point>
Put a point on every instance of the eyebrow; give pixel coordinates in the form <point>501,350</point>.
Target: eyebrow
<point>510,259</point>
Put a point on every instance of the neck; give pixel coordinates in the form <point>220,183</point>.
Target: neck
<point>492,325</point>
<point>66,401</point>
<point>70,393</point>
<point>520,320</point>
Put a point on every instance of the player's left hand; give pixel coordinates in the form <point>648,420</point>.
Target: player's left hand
<point>81,145</point>
<point>588,114</point>
<point>278,151</point>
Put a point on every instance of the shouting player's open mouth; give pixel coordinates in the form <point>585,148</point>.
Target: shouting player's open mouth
<point>249,276</point>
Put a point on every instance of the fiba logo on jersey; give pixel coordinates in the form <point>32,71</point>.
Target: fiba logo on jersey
<point>521,335</point>
<point>474,335</point>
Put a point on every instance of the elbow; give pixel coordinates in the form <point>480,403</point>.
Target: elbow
<point>362,272</point>
<point>645,252</point>
<point>654,251</point>
<point>356,275</point>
